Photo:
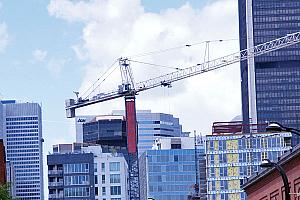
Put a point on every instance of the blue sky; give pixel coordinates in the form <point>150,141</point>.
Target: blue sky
<point>39,64</point>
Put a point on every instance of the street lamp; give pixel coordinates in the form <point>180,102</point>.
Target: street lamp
<point>266,163</point>
<point>275,126</point>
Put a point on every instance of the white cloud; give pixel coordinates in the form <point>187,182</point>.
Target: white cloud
<point>4,39</point>
<point>55,66</point>
<point>39,55</point>
<point>121,27</point>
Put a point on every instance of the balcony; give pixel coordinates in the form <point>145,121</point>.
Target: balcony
<point>56,196</point>
<point>55,184</point>
<point>55,172</point>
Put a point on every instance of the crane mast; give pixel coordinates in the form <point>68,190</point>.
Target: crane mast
<point>129,89</point>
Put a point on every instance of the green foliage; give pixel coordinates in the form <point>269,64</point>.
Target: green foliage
<point>4,192</point>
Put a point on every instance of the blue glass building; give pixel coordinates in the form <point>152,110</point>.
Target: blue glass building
<point>271,82</point>
<point>152,126</point>
<point>169,172</point>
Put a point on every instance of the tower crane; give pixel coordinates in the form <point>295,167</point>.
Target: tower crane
<point>128,89</point>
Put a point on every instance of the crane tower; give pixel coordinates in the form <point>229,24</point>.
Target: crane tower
<point>128,89</point>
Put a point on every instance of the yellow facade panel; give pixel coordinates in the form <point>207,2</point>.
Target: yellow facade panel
<point>216,145</point>
<point>232,144</point>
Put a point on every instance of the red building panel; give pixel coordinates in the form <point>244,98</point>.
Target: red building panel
<point>268,184</point>
<point>2,163</point>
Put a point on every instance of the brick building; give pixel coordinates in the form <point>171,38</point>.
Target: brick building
<point>2,163</point>
<point>268,184</point>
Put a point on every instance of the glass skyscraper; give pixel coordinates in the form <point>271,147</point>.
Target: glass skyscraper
<point>22,132</point>
<point>270,82</point>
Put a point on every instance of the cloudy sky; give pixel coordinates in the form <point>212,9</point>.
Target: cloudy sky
<point>50,48</point>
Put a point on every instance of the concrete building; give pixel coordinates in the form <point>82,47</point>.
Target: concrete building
<point>85,172</point>
<point>232,157</point>
<point>268,184</point>
<point>270,83</point>
<point>168,171</point>
<point>22,133</point>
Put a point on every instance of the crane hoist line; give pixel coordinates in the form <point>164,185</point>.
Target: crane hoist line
<point>128,89</point>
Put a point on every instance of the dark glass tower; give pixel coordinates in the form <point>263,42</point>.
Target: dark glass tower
<point>277,74</point>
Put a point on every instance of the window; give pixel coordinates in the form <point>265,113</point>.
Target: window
<point>96,191</point>
<point>264,155</point>
<point>222,145</point>
<point>222,158</point>
<point>103,191</point>
<point>96,179</point>
<point>212,172</point>
<point>248,143</point>
<point>77,192</point>
<point>95,167</point>
<point>103,179</point>
<point>115,178</point>
<point>211,145</point>
<point>175,158</point>
<point>76,180</point>
<point>76,168</point>
<point>212,159</point>
<point>114,166</point>
<point>103,167</point>
<point>264,143</point>
<point>223,171</point>
<point>115,190</point>
<point>223,185</point>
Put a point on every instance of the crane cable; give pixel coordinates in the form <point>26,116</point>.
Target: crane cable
<point>109,68</point>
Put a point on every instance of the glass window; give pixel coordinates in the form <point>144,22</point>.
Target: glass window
<point>96,179</point>
<point>103,167</point>
<point>115,178</point>
<point>103,191</point>
<point>95,167</point>
<point>103,179</point>
<point>114,166</point>
<point>96,191</point>
<point>115,190</point>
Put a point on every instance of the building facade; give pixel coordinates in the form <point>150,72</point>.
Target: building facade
<point>268,183</point>
<point>233,157</point>
<point>77,171</point>
<point>270,83</point>
<point>169,171</point>
<point>22,128</point>
<point>153,126</point>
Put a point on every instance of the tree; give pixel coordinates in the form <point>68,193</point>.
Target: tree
<point>4,192</point>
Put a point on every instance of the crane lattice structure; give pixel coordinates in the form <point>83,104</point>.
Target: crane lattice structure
<point>129,89</point>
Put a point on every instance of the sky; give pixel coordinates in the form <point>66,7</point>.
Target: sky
<point>50,48</point>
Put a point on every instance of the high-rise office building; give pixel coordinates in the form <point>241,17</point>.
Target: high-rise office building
<point>169,170</point>
<point>22,133</point>
<point>271,82</point>
<point>151,126</point>
<point>80,171</point>
<point>232,157</point>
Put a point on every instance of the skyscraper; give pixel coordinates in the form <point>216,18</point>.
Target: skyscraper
<point>151,126</point>
<point>22,133</point>
<point>271,82</point>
